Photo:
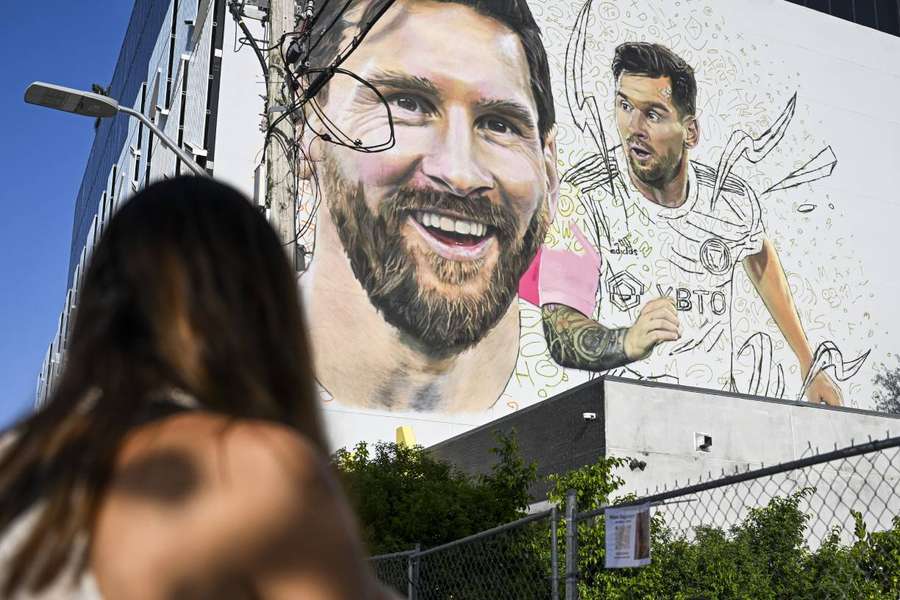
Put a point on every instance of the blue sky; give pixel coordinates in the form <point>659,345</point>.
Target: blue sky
<point>42,157</point>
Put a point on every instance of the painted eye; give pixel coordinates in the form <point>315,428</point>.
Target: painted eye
<point>497,125</point>
<point>653,116</point>
<point>409,103</point>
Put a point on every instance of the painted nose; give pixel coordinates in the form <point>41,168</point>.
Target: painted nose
<point>636,124</point>
<point>453,165</point>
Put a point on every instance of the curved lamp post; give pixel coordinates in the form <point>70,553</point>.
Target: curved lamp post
<point>97,105</point>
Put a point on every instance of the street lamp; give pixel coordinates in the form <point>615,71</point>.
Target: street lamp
<point>96,105</point>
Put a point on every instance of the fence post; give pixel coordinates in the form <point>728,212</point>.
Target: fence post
<point>571,546</point>
<point>554,555</point>
<point>412,573</point>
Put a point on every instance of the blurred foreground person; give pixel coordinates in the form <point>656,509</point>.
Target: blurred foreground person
<point>180,454</point>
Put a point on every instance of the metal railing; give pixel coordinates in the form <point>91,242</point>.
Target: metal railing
<point>825,526</point>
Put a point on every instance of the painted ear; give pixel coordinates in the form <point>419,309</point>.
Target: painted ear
<point>692,132</point>
<point>552,168</point>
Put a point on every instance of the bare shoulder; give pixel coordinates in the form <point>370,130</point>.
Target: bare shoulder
<point>267,454</point>
<point>207,458</point>
<point>202,505</point>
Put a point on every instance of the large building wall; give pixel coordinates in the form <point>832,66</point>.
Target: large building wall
<point>785,179</point>
<point>797,131</point>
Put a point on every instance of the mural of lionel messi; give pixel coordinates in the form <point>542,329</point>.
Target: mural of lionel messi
<point>411,294</point>
<point>667,234</point>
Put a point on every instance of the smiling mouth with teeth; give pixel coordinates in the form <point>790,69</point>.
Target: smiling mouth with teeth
<point>453,231</point>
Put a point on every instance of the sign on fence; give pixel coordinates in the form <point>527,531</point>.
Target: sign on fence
<point>628,536</point>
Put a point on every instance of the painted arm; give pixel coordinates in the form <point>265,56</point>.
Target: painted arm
<point>765,271</point>
<point>579,342</point>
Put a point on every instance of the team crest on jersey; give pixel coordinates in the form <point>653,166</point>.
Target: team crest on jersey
<point>715,256</point>
<point>625,290</point>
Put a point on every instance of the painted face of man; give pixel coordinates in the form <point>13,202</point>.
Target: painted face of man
<point>439,228</point>
<point>653,133</point>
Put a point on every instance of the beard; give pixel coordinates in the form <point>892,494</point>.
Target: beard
<point>439,323</point>
<point>659,171</point>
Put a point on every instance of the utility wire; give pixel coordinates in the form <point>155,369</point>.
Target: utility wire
<point>237,12</point>
<point>293,149</point>
<point>319,82</point>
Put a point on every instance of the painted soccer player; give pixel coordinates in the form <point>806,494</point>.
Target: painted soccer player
<point>664,235</point>
<point>411,295</point>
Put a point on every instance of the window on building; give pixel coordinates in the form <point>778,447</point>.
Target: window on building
<point>172,36</point>
<point>185,63</point>
<point>113,197</point>
<point>136,149</point>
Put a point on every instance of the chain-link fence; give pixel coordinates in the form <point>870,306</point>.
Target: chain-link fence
<point>394,570</point>
<point>516,560</point>
<point>825,526</point>
<point>854,480</point>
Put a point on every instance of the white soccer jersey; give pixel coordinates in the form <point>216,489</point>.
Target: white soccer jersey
<point>687,253</point>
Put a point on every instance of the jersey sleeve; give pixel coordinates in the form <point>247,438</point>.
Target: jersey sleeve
<point>567,268</point>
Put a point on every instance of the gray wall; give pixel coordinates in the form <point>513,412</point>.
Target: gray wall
<point>552,433</point>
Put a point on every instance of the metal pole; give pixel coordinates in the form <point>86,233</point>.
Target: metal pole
<point>279,172</point>
<point>412,575</point>
<point>166,141</point>
<point>554,556</point>
<point>571,546</point>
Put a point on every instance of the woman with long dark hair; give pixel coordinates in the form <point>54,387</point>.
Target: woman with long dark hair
<point>180,454</point>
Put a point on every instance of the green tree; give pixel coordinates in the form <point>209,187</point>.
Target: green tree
<point>887,398</point>
<point>404,496</point>
<point>876,558</point>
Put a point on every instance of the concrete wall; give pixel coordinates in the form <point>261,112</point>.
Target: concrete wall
<point>657,423</point>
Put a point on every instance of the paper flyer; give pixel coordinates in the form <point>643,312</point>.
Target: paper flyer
<point>628,536</point>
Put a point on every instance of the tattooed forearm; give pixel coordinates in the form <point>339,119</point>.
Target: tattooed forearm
<point>582,343</point>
